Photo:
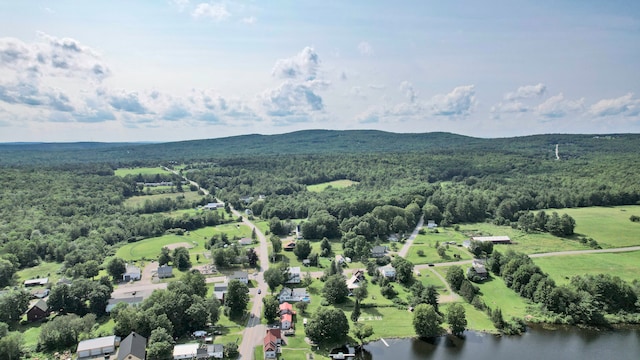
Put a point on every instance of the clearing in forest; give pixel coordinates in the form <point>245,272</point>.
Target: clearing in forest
<point>140,170</point>
<point>336,184</point>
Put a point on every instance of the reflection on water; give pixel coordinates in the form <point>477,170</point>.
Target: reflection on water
<point>561,343</point>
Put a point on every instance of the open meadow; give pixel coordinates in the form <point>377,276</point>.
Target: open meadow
<point>140,170</point>
<point>138,201</point>
<point>562,268</point>
<point>336,184</point>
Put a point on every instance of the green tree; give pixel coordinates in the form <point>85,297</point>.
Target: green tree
<point>355,314</point>
<point>181,258</point>
<point>274,277</point>
<point>497,319</point>
<point>231,350</point>
<point>325,247</point>
<point>455,277</point>
<point>160,345</point>
<point>302,306</point>
<point>404,269</point>
<point>276,244</point>
<point>456,317</point>
<point>98,299</point>
<point>361,331</point>
<point>441,251</point>
<point>13,305</point>
<point>11,346</point>
<point>335,289</point>
<point>196,283</point>
<point>165,256</point>
<point>7,270</point>
<point>426,321</point>
<point>237,298</point>
<point>116,268</point>
<point>271,308</point>
<point>302,249</point>
<point>361,292</point>
<point>328,326</point>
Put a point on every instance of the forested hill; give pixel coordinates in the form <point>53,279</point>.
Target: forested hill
<point>310,142</point>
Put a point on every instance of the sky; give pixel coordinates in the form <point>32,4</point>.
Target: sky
<point>170,70</point>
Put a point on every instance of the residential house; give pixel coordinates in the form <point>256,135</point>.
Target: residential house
<point>39,310</point>
<point>133,347</point>
<point>97,347</point>
<point>246,199</point>
<point>245,241</point>
<point>36,282</point>
<point>132,273</point>
<point>286,316</point>
<point>354,281</point>
<point>165,271</point>
<point>214,205</point>
<point>286,308</point>
<point>378,251</point>
<point>241,276</point>
<point>387,271</point>
<point>40,293</point>
<point>493,239</point>
<point>340,259</point>
<point>478,267</point>
<point>133,300</point>
<point>294,295</point>
<point>289,246</point>
<point>294,275</point>
<point>185,351</point>
<point>64,281</point>
<point>272,342</point>
<point>219,290</point>
<point>431,224</point>
<point>215,351</point>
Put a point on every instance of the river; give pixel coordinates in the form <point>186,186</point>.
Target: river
<point>536,344</point>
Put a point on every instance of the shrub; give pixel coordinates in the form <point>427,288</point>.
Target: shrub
<point>420,253</point>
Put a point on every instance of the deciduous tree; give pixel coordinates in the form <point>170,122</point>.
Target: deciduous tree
<point>426,321</point>
<point>328,325</point>
<point>456,317</point>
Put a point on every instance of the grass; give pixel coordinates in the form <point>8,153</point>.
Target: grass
<point>476,319</point>
<point>426,243</point>
<point>610,226</point>
<point>336,248</point>
<point>42,270</point>
<point>150,248</point>
<point>140,170</point>
<point>138,201</point>
<point>562,268</point>
<point>336,184</point>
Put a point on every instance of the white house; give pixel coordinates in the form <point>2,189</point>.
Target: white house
<point>241,276</point>
<point>387,271</point>
<point>294,295</point>
<point>214,205</point>
<point>185,351</point>
<point>101,347</point>
<point>165,271</point>
<point>132,273</point>
<point>294,275</point>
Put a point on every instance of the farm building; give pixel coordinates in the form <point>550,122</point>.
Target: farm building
<point>165,271</point>
<point>493,239</point>
<point>101,347</point>
<point>132,273</point>
<point>36,282</point>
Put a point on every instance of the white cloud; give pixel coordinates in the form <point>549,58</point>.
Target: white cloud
<point>303,66</point>
<point>510,107</point>
<point>364,48</point>
<point>459,102</point>
<point>557,106</point>
<point>526,92</point>
<point>181,4</point>
<point>624,105</point>
<point>251,20</point>
<point>408,91</point>
<point>216,12</point>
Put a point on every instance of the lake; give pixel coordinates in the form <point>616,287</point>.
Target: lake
<point>565,343</point>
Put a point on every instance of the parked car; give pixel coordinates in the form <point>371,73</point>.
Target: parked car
<point>259,291</point>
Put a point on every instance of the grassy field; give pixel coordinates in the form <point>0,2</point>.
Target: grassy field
<point>610,226</point>
<point>150,248</point>
<point>140,170</point>
<point>562,268</point>
<point>337,184</point>
<point>336,248</point>
<point>44,269</point>
<point>427,242</point>
<point>138,201</point>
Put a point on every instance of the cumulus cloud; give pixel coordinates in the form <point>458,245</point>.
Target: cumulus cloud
<point>526,92</point>
<point>128,102</point>
<point>510,107</point>
<point>557,106</point>
<point>216,12</point>
<point>459,102</point>
<point>364,48</point>
<point>625,105</point>
<point>303,66</point>
<point>297,97</point>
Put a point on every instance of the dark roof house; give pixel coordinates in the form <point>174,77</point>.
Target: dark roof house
<point>39,310</point>
<point>378,251</point>
<point>133,347</point>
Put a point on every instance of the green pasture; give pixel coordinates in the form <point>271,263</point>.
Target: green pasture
<point>42,270</point>
<point>522,242</point>
<point>336,184</point>
<point>561,268</point>
<point>140,170</point>
<point>427,243</point>
<point>609,226</point>
<point>138,201</point>
<point>336,248</point>
<point>150,248</point>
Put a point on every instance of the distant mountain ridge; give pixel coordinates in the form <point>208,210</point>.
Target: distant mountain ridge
<point>308,142</point>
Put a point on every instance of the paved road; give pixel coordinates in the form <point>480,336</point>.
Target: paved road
<point>405,248</point>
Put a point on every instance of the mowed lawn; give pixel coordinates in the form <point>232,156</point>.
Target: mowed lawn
<point>138,201</point>
<point>561,268</point>
<point>336,184</point>
<point>140,170</point>
<point>427,243</point>
<point>609,226</point>
<point>150,248</point>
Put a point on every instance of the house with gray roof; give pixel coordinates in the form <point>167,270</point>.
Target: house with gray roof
<point>133,347</point>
